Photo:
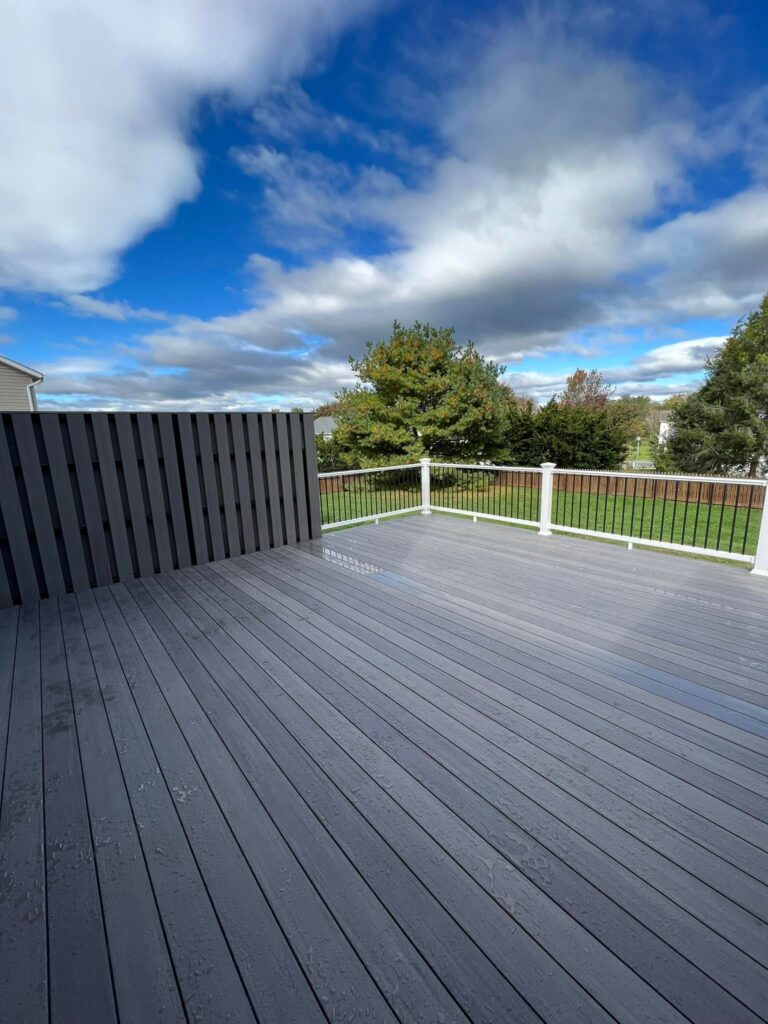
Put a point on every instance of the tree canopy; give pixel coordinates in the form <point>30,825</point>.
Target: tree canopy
<point>723,427</point>
<point>585,389</point>
<point>420,394</point>
<point>578,437</point>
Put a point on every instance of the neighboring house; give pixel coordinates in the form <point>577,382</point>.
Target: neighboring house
<point>17,386</point>
<point>325,427</point>
<point>665,427</point>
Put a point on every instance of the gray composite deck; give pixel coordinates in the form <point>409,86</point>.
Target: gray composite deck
<point>422,771</point>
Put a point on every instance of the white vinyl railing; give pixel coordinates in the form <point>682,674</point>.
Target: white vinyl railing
<point>715,516</point>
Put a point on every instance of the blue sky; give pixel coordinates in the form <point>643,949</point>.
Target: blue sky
<point>215,204</point>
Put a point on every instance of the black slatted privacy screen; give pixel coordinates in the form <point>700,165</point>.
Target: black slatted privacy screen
<point>88,499</point>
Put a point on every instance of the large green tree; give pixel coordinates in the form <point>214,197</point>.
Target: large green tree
<point>420,394</point>
<point>723,427</point>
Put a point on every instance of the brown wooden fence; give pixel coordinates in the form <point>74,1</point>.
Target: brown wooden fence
<point>735,495</point>
<point>88,499</point>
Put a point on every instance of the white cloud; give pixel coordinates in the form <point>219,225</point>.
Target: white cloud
<point>547,211</point>
<point>86,305</point>
<point>681,357</point>
<point>7,313</point>
<point>666,369</point>
<point>310,199</point>
<point>98,100</point>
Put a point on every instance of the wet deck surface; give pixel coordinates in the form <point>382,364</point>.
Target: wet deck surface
<point>422,771</point>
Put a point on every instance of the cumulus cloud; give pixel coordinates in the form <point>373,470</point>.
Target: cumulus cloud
<point>663,370</point>
<point>552,205</point>
<point>98,100</point>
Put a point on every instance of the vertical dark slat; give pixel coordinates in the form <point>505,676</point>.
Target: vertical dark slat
<point>29,460</point>
<point>273,488</point>
<point>6,596</point>
<point>18,538</point>
<point>175,488</point>
<point>65,500</point>
<point>9,625</point>
<point>23,912</point>
<point>242,483</point>
<point>155,490</point>
<point>313,491</point>
<point>227,483</point>
<point>286,478</point>
<point>257,479</point>
<point>135,495</point>
<point>112,496</point>
<point>86,479</point>
<point>210,485</point>
<point>194,498</point>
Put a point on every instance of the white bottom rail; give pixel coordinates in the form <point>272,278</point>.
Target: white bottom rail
<point>484,515</point>
<point>650,543</point>
<point>372,518</point>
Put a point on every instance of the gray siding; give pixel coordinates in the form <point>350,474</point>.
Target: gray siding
<point>90,499</point>
<point>14,393</point>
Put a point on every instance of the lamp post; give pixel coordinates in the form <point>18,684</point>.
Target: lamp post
<point>637,455</point>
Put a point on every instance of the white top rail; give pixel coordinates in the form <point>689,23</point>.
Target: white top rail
<point>372,469</point>
<point>488,466</point>
<point>749,481</point>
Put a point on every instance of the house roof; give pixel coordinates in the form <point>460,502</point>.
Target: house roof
<point>36,376</point>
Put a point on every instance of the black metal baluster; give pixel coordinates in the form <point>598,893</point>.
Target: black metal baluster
<point>685,512</point>
<point>709,514</point>
<point>674,512</point>
<point>733,516</point>
<point>698,509</point>
<point>722,514</point>
<point>746,524</point>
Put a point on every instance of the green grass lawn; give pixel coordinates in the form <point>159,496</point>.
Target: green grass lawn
<point>359,501</point>
<point>645,451</point>
<point>716,528</point>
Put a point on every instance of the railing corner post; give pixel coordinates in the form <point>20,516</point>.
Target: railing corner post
<point>760,568</point>
<point>545,515</point>
<point>426,499</point>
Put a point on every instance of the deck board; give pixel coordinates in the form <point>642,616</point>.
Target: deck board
<point>423,771</point>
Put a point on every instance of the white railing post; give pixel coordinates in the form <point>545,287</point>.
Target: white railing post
<point>426,499</point>
<point>760,568</point>
<point>545,516</point>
